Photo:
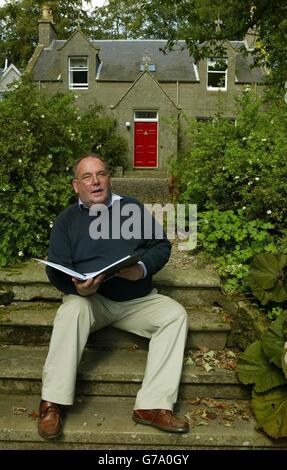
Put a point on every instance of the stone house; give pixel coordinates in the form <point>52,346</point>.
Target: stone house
<point>147,91</point>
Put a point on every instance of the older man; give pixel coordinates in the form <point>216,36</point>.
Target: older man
<point>126,301</point>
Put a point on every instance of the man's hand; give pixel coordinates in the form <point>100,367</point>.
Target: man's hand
<point>132,273</point>
<point>90,286</point>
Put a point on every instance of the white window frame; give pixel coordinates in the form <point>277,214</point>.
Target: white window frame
<point>78,86</point>
<point>223,72</point>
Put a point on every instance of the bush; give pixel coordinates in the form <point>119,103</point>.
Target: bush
<point>228,167</point>
<point>231,240</point>
<point>41,137</point>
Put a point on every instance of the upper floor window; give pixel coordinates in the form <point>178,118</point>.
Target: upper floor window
<point>78,72</point>
<point>217,74</point>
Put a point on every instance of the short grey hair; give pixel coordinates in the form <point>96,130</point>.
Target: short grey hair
<point>93,155</point>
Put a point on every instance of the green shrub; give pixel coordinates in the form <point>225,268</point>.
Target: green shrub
<point>231,240</point>
<point>41,137</point>
<point>228,167</point>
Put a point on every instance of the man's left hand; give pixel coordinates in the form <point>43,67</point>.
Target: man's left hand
<point>132,273</point>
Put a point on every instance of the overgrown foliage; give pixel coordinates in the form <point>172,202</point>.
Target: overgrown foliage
<point>41,137</point>
<point>19,25</point>
<point>236,174</point>
<point>264,364</point>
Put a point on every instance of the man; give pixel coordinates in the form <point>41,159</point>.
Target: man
<point>126,301</point>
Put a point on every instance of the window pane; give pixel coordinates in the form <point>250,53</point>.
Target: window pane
<point>216,80</point>
<point>78,62</point>
<point>80,77</point>
<point>145,114</point>
<point>217,65</point>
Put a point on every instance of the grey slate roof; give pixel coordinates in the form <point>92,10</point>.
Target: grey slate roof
<point>121,61</point>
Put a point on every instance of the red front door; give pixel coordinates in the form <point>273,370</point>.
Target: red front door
<point>145,144</point>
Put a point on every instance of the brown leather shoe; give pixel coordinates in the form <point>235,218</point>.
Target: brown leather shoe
<point>50,421</point>
<point>161,419</point>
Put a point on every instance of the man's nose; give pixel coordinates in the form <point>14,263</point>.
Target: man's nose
<point>95,179</point>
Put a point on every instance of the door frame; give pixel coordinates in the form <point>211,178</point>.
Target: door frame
<point>146,119</point>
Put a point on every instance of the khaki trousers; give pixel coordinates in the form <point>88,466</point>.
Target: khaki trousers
<point>154,316</point>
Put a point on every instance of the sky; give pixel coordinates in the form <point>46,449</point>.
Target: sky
<point>94,2</point>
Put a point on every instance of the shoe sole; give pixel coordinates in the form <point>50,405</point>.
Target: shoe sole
<point>49,438</point>
<point>148,423</point>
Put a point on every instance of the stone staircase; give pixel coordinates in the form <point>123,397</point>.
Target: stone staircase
<point>111,372</point>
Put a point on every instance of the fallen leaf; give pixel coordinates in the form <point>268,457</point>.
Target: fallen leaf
<point>195,401</point>
<point>33,415</point>
<point>18,410</point>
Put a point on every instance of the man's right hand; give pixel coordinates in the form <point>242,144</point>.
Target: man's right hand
<point>88,287</point>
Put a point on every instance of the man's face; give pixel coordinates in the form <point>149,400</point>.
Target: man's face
<point>92,182</point>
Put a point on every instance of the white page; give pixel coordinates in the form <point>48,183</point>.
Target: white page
<point>85,276</point>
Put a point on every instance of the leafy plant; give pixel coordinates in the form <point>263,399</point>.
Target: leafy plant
<point>41,137</point>
<point>268,277</point>
<point>227,167</point>
<point>231,240</point>
<point>264,364</point>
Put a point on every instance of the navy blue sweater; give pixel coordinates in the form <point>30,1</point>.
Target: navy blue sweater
<point>72,246</point>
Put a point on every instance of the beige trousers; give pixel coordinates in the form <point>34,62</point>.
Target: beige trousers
<point>154,316</point>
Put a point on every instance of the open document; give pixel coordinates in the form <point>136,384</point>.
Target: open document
<point>108,270</point>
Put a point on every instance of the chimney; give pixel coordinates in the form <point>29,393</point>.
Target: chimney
<point>47,31</point>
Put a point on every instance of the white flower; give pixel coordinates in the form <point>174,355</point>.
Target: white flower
<point>269,212</point>
<point>25,122</point>
<point>99,146</point>
<point>263,140</point>
<point>50,156</point>
<point>67,168</point>
<point>250,182</point>
<point>250,162</point>
<point>244,208</point>
<point>20,160</point>
<point>38,237</point>
<point>223,168</point>
<point>247,89</point>
<point>257,178</point>
<point>236,177</point>
<point>51,224</point>
<point>79,118</point>
<point>244,138</point>
<point>42,116</point>
<point>76,97</point>
<point>20,253</point>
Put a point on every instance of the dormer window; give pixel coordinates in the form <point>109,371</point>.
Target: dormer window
<point>217,74</point>
<point>151,67</point>
<point>78,73</point>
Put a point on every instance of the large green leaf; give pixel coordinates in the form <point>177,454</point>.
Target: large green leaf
<point>267,278</point>
<point>270,410</point>
<point>273,340</point>
<point>253,368</point>
<point>284,359</point>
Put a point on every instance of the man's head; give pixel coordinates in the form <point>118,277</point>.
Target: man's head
<point>92,180</point>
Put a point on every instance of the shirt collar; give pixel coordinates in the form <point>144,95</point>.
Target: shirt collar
<point>114,197</point>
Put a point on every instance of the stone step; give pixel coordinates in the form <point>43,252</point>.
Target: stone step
<point>148,190</point>
<point>105,423</point>
<point>111,373</point>
<point>31,323</point>
<point>189,286</point>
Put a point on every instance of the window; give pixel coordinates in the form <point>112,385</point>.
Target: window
<point>146,115</point>
<point>151,67</point>
<point>78,72</point>
<point>217,74</point>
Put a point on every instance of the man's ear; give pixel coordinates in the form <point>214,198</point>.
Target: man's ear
<point>75,185</point>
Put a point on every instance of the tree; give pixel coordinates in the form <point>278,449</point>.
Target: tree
<point>206,24</point>
<point>19,26</point>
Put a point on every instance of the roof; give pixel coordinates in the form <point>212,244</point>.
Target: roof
<point>121,61</point>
